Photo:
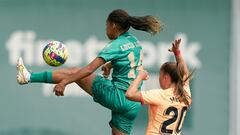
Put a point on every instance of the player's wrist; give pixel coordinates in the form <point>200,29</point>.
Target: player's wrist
<point>177,53</point>
<point>139,78</point>
<point>65,82</point>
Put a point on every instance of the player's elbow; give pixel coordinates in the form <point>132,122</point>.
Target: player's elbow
<point>129,95</point>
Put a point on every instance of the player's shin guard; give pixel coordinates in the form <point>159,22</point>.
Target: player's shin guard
<point>41,77</point>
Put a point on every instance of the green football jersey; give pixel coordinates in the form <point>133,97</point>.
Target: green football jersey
<point>125,55</point>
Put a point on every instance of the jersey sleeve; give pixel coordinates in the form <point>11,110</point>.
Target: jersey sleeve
<point>109,53</point>
<point>151,97</point>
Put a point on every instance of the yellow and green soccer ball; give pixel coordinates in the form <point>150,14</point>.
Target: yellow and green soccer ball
<point>55,53</point>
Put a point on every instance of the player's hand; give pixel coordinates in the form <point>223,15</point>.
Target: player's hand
<point>175,45</point>
<point>106,71</point>
<point>143,74</point>
<point>59,89</point>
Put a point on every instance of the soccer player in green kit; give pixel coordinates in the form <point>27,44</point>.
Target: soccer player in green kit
<point>123,54</point>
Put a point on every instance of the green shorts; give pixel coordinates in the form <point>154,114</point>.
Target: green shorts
<point>124,111</point>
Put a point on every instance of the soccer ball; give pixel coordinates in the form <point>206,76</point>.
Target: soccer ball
<point>55,53</point>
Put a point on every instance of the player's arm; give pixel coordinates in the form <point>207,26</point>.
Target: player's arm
<point>81,73</point>
<point>132,93</point>
<point>85,71</point>
<point>179,59</point>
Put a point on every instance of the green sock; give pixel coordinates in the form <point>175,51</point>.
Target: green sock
<point>42,77</point>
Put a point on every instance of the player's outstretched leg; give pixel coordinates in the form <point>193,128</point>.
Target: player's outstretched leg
<point>55,76</point>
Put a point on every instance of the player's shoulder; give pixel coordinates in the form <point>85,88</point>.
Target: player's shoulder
<point>155,92</point>
<point>125,42</point>
<point>116,43</point>
<point>187,89</point>
<point>113,45</point>
<point>126,37</point>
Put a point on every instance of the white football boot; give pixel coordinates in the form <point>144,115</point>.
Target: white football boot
<point>23,75</point>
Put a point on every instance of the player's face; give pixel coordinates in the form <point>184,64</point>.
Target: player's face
<point>110,30</point>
